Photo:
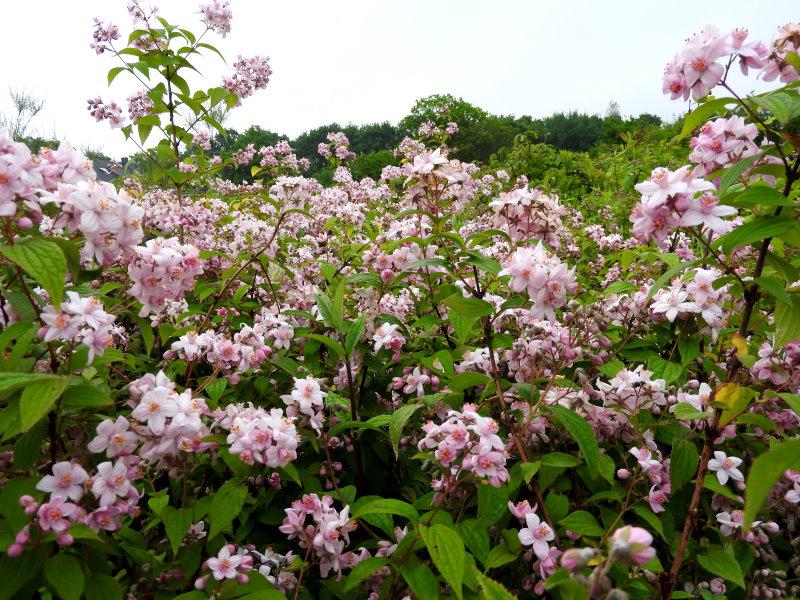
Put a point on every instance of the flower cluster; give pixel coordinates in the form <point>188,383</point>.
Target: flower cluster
<point>670,200</point>
<point>110,221</point>
<point>320,528</point>
<point>250,74</point>
<point>466,441</point>
<point>103,34</point>
<point>80,320</point>
<point>114,494</point>
<point>306,401</point>
<point>170,421</point>
<point>101,111</point>
<point>338,146</point>
<point>698,296</point>
<point>722,142</point>
<point>546,279</point>
<point>139,105</point>
<point>217,16</point>
<point>695,71</point>
<point>161,270</point>
<point>258,435</point>
<point>526,213</point>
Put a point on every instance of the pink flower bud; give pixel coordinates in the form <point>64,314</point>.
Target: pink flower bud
<point>242,578</point>
<point>23,537</point>
<point>24,223</point>
<point>15,550</point>
<point>632,545</point>
<point>200,583</point>
<point>65,539</point>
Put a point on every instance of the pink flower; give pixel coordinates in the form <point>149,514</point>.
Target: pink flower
<point>536,534</point>
<point>65,481</point>
<point>114,437</point>
<point>706,211</point>
<point>224,565</point>
<point>111,481</point>
<point>632,545</point>
<point>154,408</point>
<point>53,515</point>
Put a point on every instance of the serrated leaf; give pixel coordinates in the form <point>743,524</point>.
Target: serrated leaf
<point>363,570</point>
<point>43,261</point>
<point>176,523</point>
<point>354,334</point>
<point>471,308</point>
<point>722,564</point>
<point>447,553</point>
<point>765,472</point>
<point>38,398</point>
<point>399,419</point>
<point>384,506</point>
<point>683,463</point>
<point>64,573</point>
<point>756,230</point>
<point>582,433</point>
<point>225,506</point>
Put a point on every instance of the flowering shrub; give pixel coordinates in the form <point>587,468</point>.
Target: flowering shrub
<point>445,383</point>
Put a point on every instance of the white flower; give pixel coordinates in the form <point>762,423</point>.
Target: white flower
<point>536,534</point>
<point>725,467</point>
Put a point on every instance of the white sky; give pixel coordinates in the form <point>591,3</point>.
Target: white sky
<point>363,61</point>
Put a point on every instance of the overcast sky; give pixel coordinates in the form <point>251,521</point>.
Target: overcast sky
<point>361,61</point>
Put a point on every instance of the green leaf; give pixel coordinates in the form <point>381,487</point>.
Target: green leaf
<point>475,536</point>
<point>399,419</point>
<point>491,590</point>
<point>784,105</point>
<point>102,587</point>
<point>686,412</point>
<point>703,113</point>
<point>732,173</point>
<point>176,523</point>
<point>329,342</point>
<point>325,307</point>
<point>560,460</point>
<point>112,73</point>
<point>85,395</point>
<point>683,462</point>
<point>354,333</point>
<point>787,322</point>
<point>38,398</point>
<point>722,564</point>
<point>761,228</point>
<point>468,379</point>
<point>71,253</point>
<point>472,308</point>
<point>42,260</point>
<point>10,382</point>
<point>384,506</point>
<point>64,573</point>
<point>447,553</point>
<point>146,329</point>
<point>582,433</point>
<point>16,572</point>
<point>765,472</point>
<point>420,579</point>
<point>225,506</point>
<point>760,195</point>
<point>363,570</point>
<point>583,523</point>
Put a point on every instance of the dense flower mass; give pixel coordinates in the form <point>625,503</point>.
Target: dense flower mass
<point>236,371</point>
